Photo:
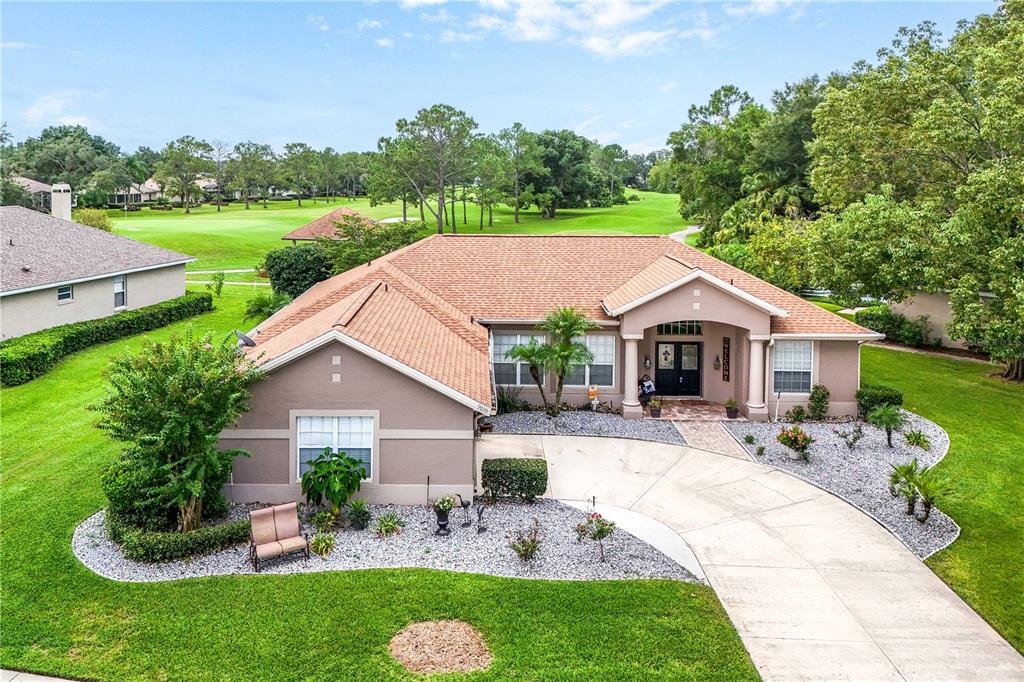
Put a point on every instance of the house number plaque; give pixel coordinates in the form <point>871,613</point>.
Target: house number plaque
<point>725,358</point>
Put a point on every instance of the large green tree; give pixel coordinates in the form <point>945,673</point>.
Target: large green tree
<point>183,162</point>
<point>568,178</point>
<point>249,163</point>
<point>523,155</point>
<point>64,154</point>
<point>297,168</point>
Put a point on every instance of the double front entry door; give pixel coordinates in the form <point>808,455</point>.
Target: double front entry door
<point>678,368</point>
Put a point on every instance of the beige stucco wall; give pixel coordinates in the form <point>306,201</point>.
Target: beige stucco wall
<point>713,387</point>
<point>936,307</point>
<point>697,300</point>
<point>835,364</point>
<point>22,314</point>
<point>417,431</point>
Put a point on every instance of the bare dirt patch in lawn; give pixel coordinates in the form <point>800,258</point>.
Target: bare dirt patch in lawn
<point>440,646</point>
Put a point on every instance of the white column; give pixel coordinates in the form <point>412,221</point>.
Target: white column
<point>630,403</point>
<point>755,375</point>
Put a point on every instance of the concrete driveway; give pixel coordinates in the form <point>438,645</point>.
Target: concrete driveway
<point>816,589</point>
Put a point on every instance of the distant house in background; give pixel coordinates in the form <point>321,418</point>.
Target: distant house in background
<point>55,271</point>
<point>40,192</point>
<point>147,191</point>
<point>936,307</point>
<point>325,226</point>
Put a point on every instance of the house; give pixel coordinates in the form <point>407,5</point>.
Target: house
<point>55,271</point>
<point>394,361</point>
<point>325,226</point>
<point>147,191</point>
<point>40,192</point>
<point>937,308</point>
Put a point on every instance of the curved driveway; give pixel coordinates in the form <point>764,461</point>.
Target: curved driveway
<point>816,589</point>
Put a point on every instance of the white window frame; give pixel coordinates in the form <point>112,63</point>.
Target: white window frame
<point>70,298</point>
<point>523,377</point>
<point>586,368</point>
<point>810,371</point>
<point>334,439</point>
<point>123,281</point>
<point>681,328</point>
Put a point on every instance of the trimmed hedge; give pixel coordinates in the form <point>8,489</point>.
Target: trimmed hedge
<point>871,396</point>
<point>514,477</point>
<point>27,357</point>
<point>153,546</point>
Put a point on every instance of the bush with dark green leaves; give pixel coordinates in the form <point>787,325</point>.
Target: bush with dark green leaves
<point>817,403</point>
<point>294,269</point>
<point>26,357</point>
<point>153,546</point>
<point>871,396</point>
<point>514,477</point>
<point>908,331</point>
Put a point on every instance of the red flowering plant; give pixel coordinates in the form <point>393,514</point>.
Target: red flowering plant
<point>796,439</point>
<point>596,528</point>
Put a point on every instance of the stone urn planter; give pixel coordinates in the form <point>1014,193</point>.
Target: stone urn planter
<point>442,506</point>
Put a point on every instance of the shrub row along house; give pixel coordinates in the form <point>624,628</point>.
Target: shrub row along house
<point>393,361</point>
<point>56,271</point>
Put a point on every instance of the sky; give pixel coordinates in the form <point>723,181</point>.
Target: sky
<point>340,74</point>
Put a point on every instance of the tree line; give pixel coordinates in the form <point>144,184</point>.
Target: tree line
<point>436,162</point>
<point>900,176</point>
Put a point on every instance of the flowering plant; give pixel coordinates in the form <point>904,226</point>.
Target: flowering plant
<point>596,528</point>
<point>795,438</point>
<point>444,503</point>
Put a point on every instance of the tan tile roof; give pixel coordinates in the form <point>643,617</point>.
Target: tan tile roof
<point>324,227</point>
<point>37,250</point>
<point>422,305</point>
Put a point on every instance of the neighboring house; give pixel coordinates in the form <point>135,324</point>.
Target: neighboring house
<point>325,226</point>
<point>936,307</point>
<point>55,271</point>
<point>147,191</point>
<point>40,192</point>
<point>393,361</point>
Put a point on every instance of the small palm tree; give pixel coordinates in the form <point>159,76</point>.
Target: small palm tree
<point>531,354</point>
<point>903,481</point>
<point>562,351</point>
<point>932,487</point>
<point>263,306</point>
<point>888,417</point>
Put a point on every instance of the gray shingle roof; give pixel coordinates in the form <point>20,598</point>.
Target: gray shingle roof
<point>38,249</point>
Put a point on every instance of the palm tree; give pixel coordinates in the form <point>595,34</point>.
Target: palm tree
<point>563,350</point>
<point>903,481</point>
<point>888,417</point>
<point>263,306</point>
<point>532,354</point>
<point>932,487</point>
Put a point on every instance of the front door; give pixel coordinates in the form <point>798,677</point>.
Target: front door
<point>678,369</point>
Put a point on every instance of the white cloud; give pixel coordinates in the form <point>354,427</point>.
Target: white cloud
<point>500,5</point>
<point>52,108</point>
<point>21,46</point>
<point>412,4</point>
<point>441,16</point>
<point>384,42</point>
<point>757,7</point>
<point>405,34</point>
<point>450,36</point>
<point>640,42</point>
<point>318,22</point>
<point>668,87</point>
<point>368,24</point>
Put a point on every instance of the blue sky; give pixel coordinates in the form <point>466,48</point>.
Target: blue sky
<point>340,74</point>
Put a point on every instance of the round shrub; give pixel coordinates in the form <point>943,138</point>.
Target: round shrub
<point>294,269</point>
<point>871,396</point>
<point>514,477</point>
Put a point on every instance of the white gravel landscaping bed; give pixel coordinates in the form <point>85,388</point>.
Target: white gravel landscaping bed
<point>465,550</point>
<point>861,476</point>
<point>586,423</point>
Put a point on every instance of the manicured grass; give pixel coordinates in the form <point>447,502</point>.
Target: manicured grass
<point>238,238</point>
<point>60,618</point>
<point>830,306</point>
<point>982,415</point>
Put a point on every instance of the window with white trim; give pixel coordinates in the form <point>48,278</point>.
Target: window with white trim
<point>792,366</point>
<point>600,372</point>
<point>351,435</point>
<point>506,371</point>
<point>120,291</point>
<point>66,293</point>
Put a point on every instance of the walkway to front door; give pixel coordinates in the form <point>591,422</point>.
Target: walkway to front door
<point>679,368</point>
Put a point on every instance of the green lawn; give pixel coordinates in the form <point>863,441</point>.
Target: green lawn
<point>982,415</point>
<point>238,238</point>
<point>60,618</point>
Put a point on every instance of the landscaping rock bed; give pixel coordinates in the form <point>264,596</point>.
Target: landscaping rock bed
<point>861,476</point>
<point>586,423</point>
<point>465,550</point>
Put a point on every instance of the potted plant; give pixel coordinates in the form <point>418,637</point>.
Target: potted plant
<point>442,506</point>
<point>655,406</point>
<point>732,409</point>
<point>797,440</point>
<point>358,514</point>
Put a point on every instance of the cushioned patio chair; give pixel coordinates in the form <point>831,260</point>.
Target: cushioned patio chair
<point>274,532</point>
